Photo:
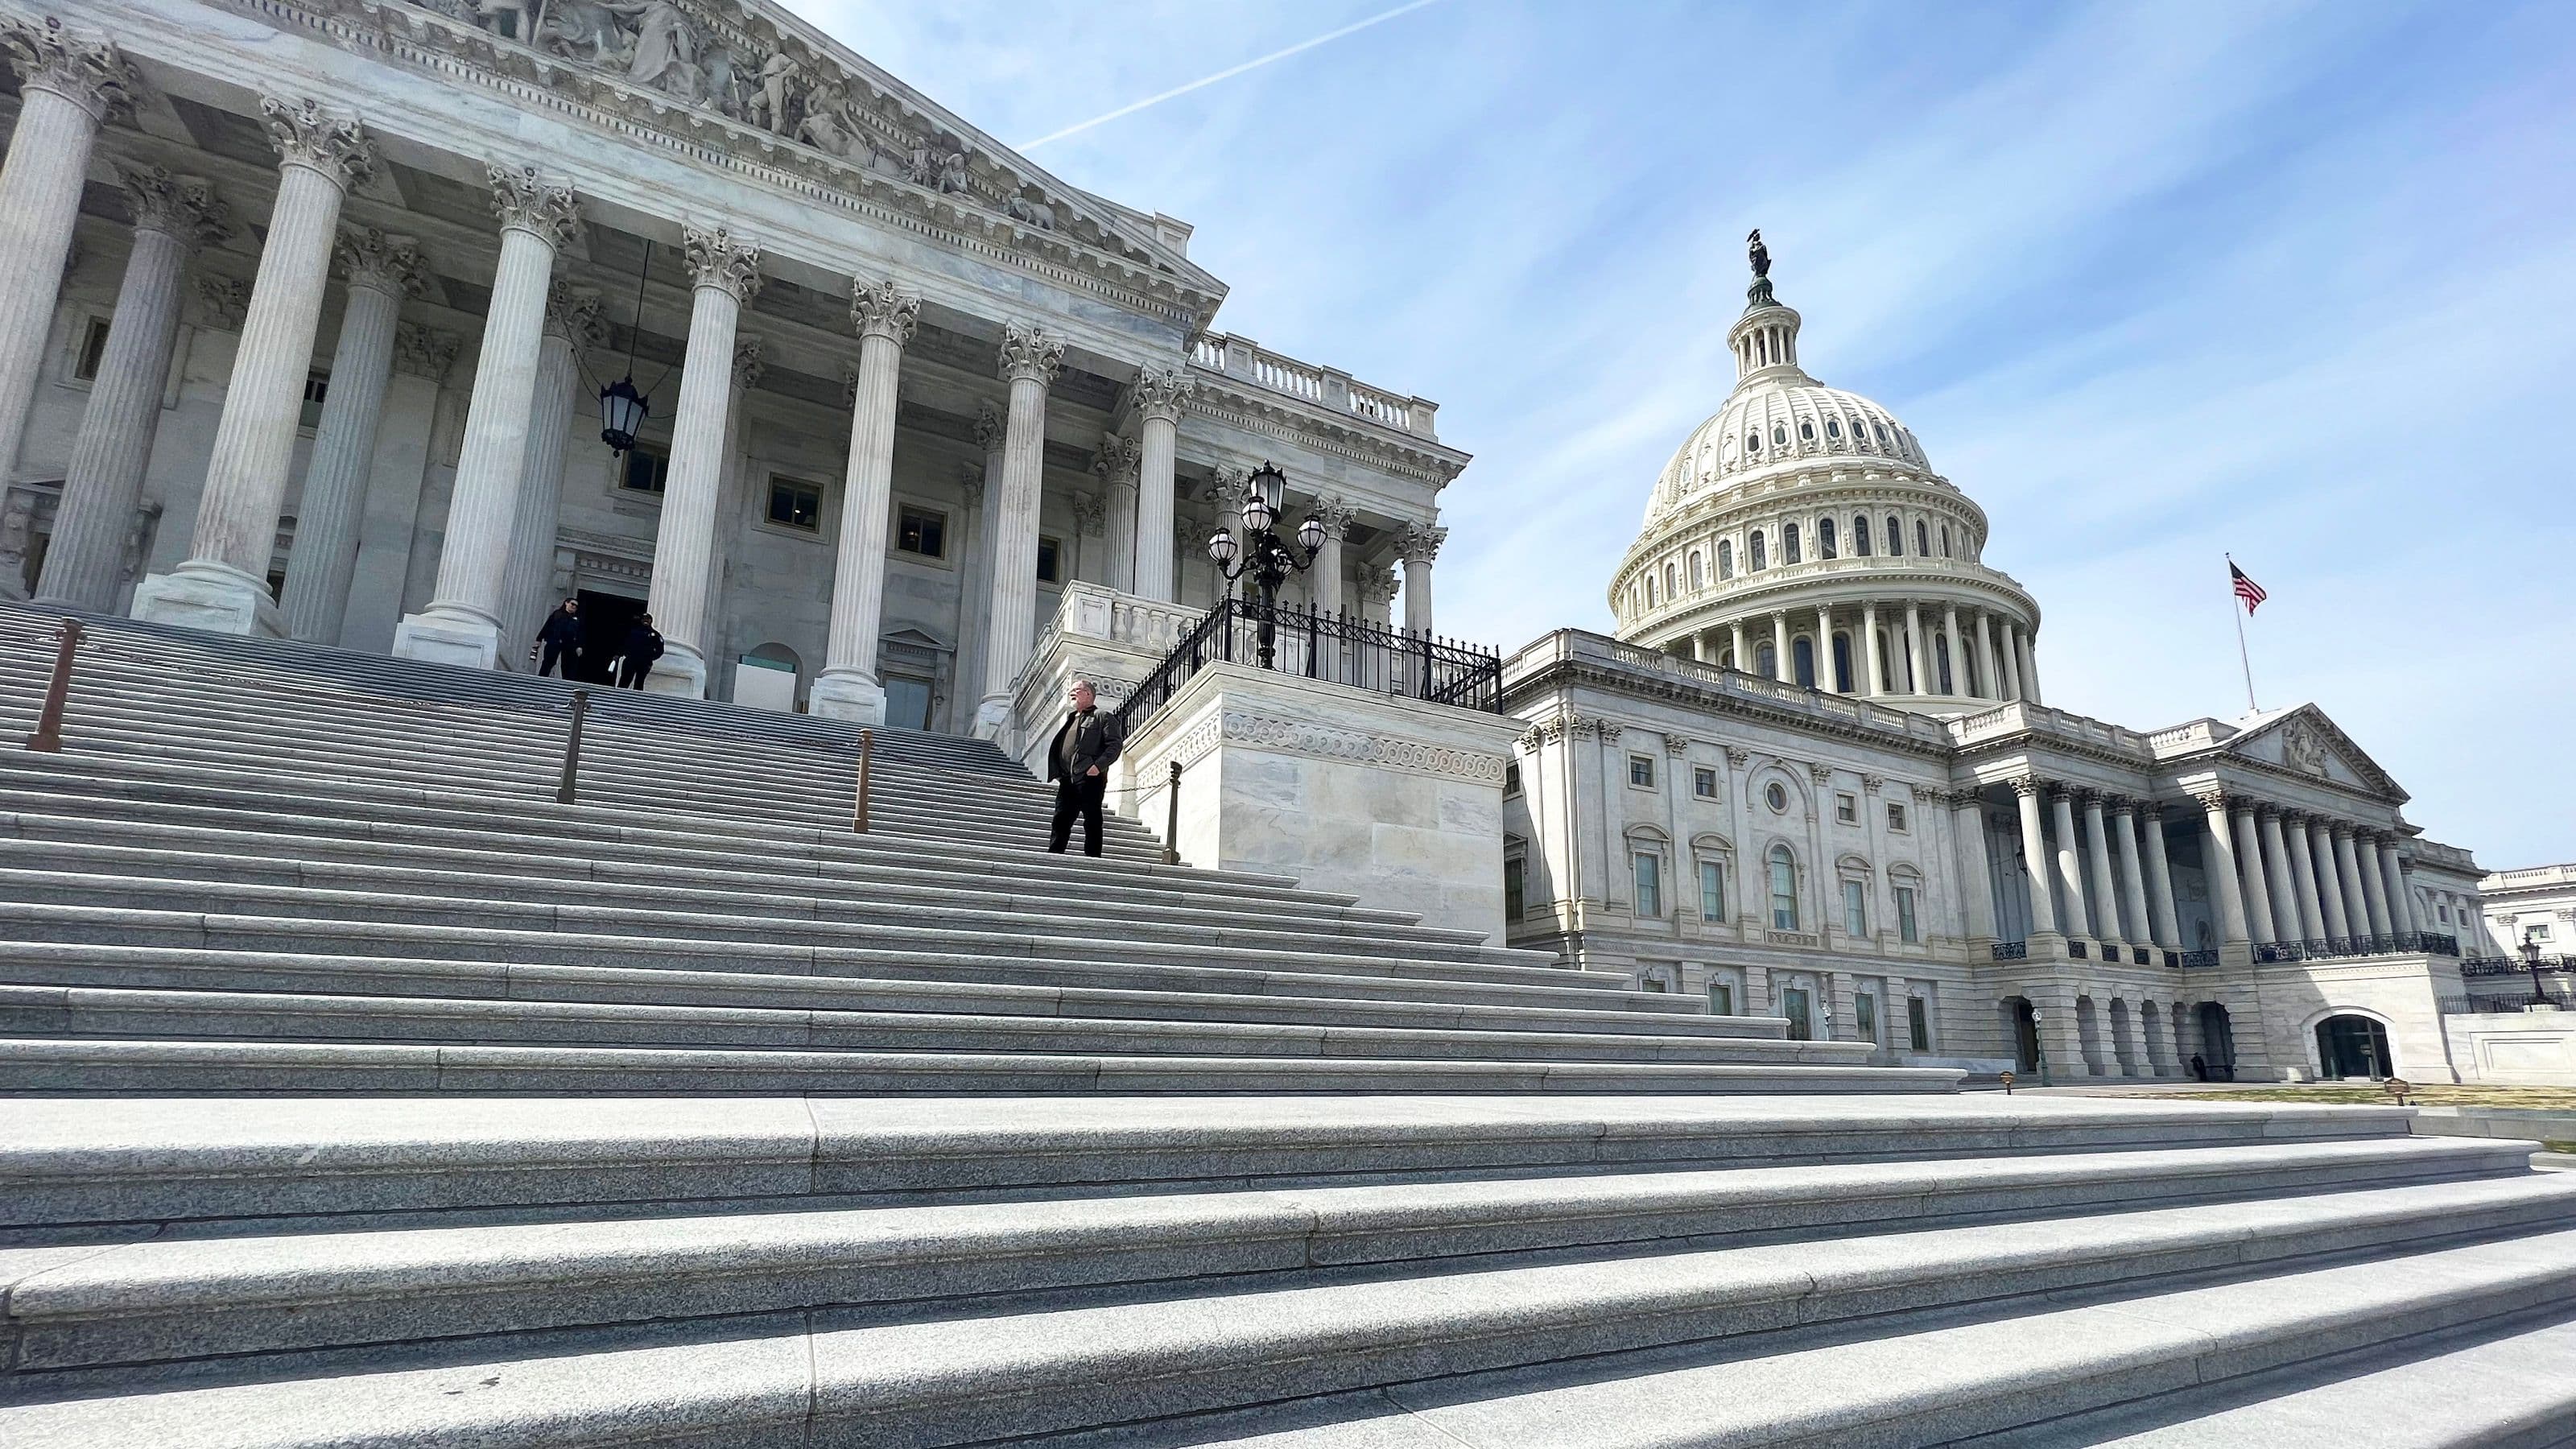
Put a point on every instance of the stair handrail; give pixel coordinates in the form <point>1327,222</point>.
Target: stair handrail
<point>859,808</point>
<point>572,748</point>
<point>1172,818</point>
<point>48,737</point>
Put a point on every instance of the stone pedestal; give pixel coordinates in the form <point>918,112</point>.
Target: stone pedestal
<point>847,695</point>
<point>1110,638</point>
<point>1394,801</point>
<point>205,594</point>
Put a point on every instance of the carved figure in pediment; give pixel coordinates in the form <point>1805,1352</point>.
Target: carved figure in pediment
<point>772,101</point>
<point>666,46</point>
<point>514,19</point>
<point>952,174</point>
<point>827,126</point>
<point>2303,748</point>
<point>587,31</point>
<point>730,82</point>
<point>1024,208</point>
<point>923,169</point>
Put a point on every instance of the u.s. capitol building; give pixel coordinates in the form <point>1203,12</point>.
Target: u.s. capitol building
<point>314,315</point>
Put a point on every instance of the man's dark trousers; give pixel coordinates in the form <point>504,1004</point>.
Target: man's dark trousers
<point>630,673</point>
<point>557,654</point>
<point>1080,795</point>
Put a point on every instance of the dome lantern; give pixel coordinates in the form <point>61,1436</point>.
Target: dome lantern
<point>1766,336</point>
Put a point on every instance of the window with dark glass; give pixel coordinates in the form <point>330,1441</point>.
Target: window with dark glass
<point>1759,562</point>
<point>1860,536</point>
<point>1895,537</point>
<point>1712,890</point>
<point>1789,543</point>
<point>1704,782</point>
<point>1511,779</point>
<point>1784,889</point>
<point>316,384</point>
<point>1922,540</point>
<point>1918,1025</point>
<point>1515,888</point>
<point>1721,998</point>
<point>1865,1014</point>
<point>93,347</point>
<point>1650,884</point>
<point>1048,553</point>
<point>644,470</point>
<point>795,505</point>
<point>1725,559</point>
<point>921,531</point>
<point>1641,771</point>
<point>1824,538</point>
<point>1802,661</point>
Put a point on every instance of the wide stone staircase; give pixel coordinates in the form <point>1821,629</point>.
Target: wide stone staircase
<point>355,1091</point>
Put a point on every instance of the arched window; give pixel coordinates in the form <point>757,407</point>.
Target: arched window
<point>1833,430</point>
<point>1941,658</point>
<point>1669,591</point>
<point>1802,656</point>
<point>1779,435</point>
<point>1784,889</point>
<point>1726,558</point>
<point>1698,571</point>
<point>1807,432</point>
<point>1843,663</point>
<point>1945,540</point>
<point>1824,538</point>
<point>1752,444</point>
<point>1759,561</point>
<point>1860,534</point>
<point>1788,543</point>
<point>1650,591</point>
<point>1895,537</point>
<point>1766,661</point>
<point>1922,540</point>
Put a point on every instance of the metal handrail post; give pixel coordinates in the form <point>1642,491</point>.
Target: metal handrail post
<point>572,748</point>
<point>1172,819</point>
<point>867,754</point>
<point>48,737</point>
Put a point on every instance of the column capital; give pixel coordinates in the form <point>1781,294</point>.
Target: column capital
<point>524,201</point>
<point>1378,584</point>
<point>369,258</point>
<point>1738,756</point>
<point>878,310</point>
<point>1117,458</point>
<point>2120,804</point>
<point>1091,513</point>
<point>2215,799</point>
<point>1676,745</point>
<point>572,313</point>
<point>1872,784</point>
<point>221,302</point>
<point>424,351</point>
<point>2027,786</point>
<point>2339,829</point>
<point>1420,542</point>
<point>91,74</point>
<point>185,207</point>
<point>748,366</point>
<point>306,135</point>
<point>1030,355</point>
<point>719,259</point>
<point>2266,810</point>
<point>2293,819</point>
<point>989,424</point>
<point>1609,730</point>
<point>1160,392</point>
<point>1232,486</point>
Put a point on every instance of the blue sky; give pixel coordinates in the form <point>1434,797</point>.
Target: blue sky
<point>2151,282</point>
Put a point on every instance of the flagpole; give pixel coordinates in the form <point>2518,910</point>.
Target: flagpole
<point>2236,610</point>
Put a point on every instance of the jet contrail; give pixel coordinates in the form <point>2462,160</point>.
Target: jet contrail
<point>1228,74</point>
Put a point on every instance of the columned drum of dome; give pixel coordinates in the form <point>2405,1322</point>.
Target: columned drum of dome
<point>1804,507</point>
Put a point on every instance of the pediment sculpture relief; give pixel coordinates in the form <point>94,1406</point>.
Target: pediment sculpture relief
<point>2303,748</point>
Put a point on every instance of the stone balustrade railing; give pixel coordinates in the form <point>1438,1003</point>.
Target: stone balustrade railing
<point>2534,875</point>
<point>1249,361</point>
<point>1750,582</point>
<point>2020,715</point>
<point>1848,709</point>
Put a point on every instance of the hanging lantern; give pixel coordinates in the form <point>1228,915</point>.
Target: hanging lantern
<point>621,414</point>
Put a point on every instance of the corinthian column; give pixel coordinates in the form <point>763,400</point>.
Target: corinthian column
<point>2133,892</point>
<point>85,563</point>
<point>1976,871</point>
<point>462,624</point>
<point>2160,893</point>
<point>67,87</point>
<point>2218,869</point>
<point>2329,886</point>
<point>1159,397</point>
<point>982,484</point>
<point>1988,680</point>
<point>2034,858</point>
<point>725,271</point>
<point>1116,465</point>
<point>848,687</point>
<point>1418,545</point>
<point>2289,914</point>
<point>223,583</point>
<point>1869,649</point>
<point>572,324</point>
<point>1919,659</point>
<point>382,271</point>
<point>1326,574</point>
<point>1030,361</point>
<point>2070,865</point>
<point>2258,892</point>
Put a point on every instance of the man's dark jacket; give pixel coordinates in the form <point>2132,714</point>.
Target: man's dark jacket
<point>643,645</point>
<point>1096,741</point>
<point>561,628</point>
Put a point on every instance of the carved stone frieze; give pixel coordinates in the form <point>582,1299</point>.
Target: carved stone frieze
<point>185,207</point>
<point>989,423</point>
<point>749,367</point>
<point>306,135</point>
<point>91,74</point>
<point>1302,737</point>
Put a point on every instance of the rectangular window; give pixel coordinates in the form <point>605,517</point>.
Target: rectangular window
<point>1511,780</point>
<point>316,384</point>
<point>646,470</point>
<point>1049,552</point>
<point>1896,818</point>
<point>1704,783</point>
<point>1855,908</point>
<point>1905,914</point>
<point>1918,1024</point>
<point>1846,810</point>
<point>1721,998</point>
<point>1865,1014</point>
<point>1515,888</point>
<point>1712,890</point>
<point>2536,933</point>
<point>1641,771</point>
<point>92,349</point>
<point>1650,885</point>
<point>795,505</point>
<point>921,531</point>
<point>1653,983</point>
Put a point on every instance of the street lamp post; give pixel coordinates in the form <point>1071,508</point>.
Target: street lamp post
<point>1264,554</point>
<point>2531,963</point>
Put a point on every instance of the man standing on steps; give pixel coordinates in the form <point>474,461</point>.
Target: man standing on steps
<point>643,645</point>
<point>1078,762</point>
<point>561,641</point>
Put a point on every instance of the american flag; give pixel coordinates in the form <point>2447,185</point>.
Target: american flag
<point>2246,589</point>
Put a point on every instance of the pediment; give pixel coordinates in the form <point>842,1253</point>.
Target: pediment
<point>2305,742</point>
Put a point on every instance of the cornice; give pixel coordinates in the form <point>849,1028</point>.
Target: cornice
<point>1219,398</point>
<point>1530,689</point>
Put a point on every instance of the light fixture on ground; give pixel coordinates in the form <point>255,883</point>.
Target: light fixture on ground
<point>1263,554</point>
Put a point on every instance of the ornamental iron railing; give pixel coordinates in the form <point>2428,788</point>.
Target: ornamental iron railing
<point>2504,1005</point>
<point>2192,959</point>
<point>2513,966</point>
<point>2428,942</point>
<point>2012,950</point>
<point>1328,647</point>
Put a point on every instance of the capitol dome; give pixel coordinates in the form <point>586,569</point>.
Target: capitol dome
<point>1800,533</point>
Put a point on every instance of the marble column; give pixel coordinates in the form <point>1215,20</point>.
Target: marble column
<point>67,86</point>
<point>1160,395</point>
<point>223,583</point>
<point>1918,659</point>
<point>2401,902</point>
<point>2105,894</point>
<point>2218,869</point>
<point>1869,648</point>
<point>2034,858</point>
<point>527,581</point>
<point>2249,860</point>
<point>382,271</point>
<point>1326,574</point>
<point>103,485</point>
<point>1418,545</point>
<point>2029,670</point>
<point>2124,835</point>
<point>1827,678</point>
<point>2366,920</point>
<point>724,273</point>
<point>2281,879</point>
<point>1116,464</point>
<point>2160,892</point>
<point>1735,638</point>
<point>2077,915</point>
<point>848,687</point>
<point>1976,870</point>
<point>1783,666</point>
<point>2011,660</point>
<point>2303,877</point>
<point>735,503</point>
<point>1987,678</point>
<point>1960,684</point>
<point>462,623</point>
<point>983,484</point>
<point>1030,361</point>
<point>2329,886</point>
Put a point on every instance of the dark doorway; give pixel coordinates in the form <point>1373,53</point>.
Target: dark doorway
<point>2025,1030</point>
<point>2217,1042</point>
<point>2352,1046</point>
<point>605,618</point>
<point>1793,1005</point>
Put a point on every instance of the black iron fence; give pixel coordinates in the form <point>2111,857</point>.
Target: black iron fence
<point>2505,1005</point>
<point>1333,648</point>
<point>2513,966</point>
<point>2433,943</point>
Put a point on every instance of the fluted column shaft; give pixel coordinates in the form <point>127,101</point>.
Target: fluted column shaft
<point>983,484</point>
<point>1976,868</point>
<point>1987,678</point>
<point>2401,902</point>
<point>849,688</point>
<point>1160,396</point>
<point>2282,880</point>
<point>1326,574</point>
<point>2034,859</point>
<point>725,272</point>
<point>67,88</point>
<point>1735,637</point>
<point>2258,894</point>
<point>223,584</point>
<point>527,581</point>
<point>2303,880</point>
<point>2160,892</point>
<point>2220,872</point>
<point>85,562</point>
<point>2011,661</point>
<point>2356,892</point>
<point>2124,834</point>
<point>2070,866</point>
<point>344,449</point>
<point>2029,671</point>
<point>1869,648</point>
<point>1030,360</point>
<point>2329,885</point>
<point>1783,666</point>
<point>1960,684</point>
<point>2106,910</point>
<point>1917,657</point>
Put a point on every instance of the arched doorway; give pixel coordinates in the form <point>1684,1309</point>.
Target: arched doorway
<point>2217,1043</point>
<point>2353,1046</point>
